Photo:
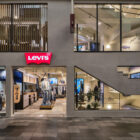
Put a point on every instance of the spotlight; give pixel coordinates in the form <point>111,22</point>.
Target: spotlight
<point>16,17</point>
<point>108,46</point>
<point>99,23</point>
<point>109,107</point>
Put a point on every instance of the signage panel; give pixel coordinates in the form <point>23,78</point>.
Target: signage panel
<point>38,58</point>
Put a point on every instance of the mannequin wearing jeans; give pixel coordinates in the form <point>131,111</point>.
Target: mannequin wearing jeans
<point>45,86</point>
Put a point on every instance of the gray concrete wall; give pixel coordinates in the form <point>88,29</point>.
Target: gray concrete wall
<point>101,65</point>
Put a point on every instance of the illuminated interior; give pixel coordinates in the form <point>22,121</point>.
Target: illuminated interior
<point>87,97</point>
<point>30,101</point>
<point>2,90</point>
<point>132,72</point>
<point>104,34</point>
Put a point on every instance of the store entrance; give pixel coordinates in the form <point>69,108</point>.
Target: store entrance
<point>39,91</point>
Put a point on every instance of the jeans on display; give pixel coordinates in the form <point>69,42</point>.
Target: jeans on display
<point>46,97</point>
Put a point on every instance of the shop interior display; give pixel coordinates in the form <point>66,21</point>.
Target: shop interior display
<point>2,90</point>
<point>39,83</point>
<point>132,72</point>
<point>108,27</point>
<point>48,96</point>
<point>93,94</point>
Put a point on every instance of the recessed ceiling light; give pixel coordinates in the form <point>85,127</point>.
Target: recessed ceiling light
<point>108,46</point>
<point>99,23</point>
<point>110,6</point>
<point>109,107</point>
<point>15,17</point>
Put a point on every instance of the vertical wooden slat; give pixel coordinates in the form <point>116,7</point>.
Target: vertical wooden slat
<point>31,28</point>
<point>2,23</point>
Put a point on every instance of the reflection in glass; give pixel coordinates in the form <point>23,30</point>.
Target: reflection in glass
<point>130,27</point>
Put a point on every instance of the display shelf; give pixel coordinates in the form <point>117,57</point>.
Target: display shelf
<point>27,78</point>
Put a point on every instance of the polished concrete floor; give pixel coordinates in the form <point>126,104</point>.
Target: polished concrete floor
<point>70,128</point>
<point>59,110</point>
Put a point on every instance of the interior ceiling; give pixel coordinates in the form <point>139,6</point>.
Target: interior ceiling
<point>40,71</point>
<point>82,74</point>
<point>109,20</point>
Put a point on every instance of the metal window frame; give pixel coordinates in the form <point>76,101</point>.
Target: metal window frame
<point>120,3</point>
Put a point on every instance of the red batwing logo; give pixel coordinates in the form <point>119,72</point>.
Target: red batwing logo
<point>38,58</point>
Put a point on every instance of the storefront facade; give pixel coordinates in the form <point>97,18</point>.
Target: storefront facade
<point>102,65</point>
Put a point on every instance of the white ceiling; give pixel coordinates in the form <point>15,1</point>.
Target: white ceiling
<point>109,20</point>
<point>40,71</point>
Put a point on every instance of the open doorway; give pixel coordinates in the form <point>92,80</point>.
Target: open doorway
<point>39,91</point>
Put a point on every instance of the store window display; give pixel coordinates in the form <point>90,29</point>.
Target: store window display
<point>96,95</point>
<point>43,90</point>
<point>46,88</point>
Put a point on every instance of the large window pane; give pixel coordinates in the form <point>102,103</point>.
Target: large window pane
<point>130,27</point>
<point>5,18</point>
<point>85,28</point>
<point>109,27</point>
<point>93,94</point>
<point>30,27</point>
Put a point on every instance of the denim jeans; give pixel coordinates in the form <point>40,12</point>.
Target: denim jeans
<point>46,97</point>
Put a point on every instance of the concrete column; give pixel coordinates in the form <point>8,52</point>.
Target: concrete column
<point>9,91</point>
<point>70,90</point>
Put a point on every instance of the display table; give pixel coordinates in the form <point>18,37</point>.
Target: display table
<point>48,106</point>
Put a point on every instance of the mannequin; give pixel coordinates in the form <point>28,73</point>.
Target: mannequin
<point>46,88</point>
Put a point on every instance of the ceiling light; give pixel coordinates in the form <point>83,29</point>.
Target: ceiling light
<point>109,107</point>
<point>15,17</point>
<point>124,14</point>
<point>110,6</point>
<point>108,46</point>
<point>99,23</point>
<point>130,6</point>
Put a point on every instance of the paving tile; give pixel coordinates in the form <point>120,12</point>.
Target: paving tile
<point>123,138</point>
<point>137,135</point>
<point>71,129</point>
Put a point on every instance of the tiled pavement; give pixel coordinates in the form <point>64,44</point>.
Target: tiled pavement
<point>70,129</point>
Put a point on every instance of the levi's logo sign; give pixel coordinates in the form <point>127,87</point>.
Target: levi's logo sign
<point>38,58</point>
